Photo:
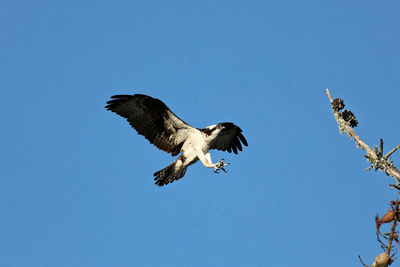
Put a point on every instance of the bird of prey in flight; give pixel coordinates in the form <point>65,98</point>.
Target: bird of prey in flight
<point>151,118</point>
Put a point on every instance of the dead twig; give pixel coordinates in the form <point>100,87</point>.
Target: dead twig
<point>391,152</point>
<point>393,234</point>
<point>362,261</point>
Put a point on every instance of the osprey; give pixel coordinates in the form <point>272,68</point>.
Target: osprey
<point>151,118</point>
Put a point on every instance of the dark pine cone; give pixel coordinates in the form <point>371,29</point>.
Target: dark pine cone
<point>348,116</point>
<point>337,104</point>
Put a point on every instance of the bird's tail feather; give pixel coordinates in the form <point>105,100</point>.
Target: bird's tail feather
<point>171,173</point>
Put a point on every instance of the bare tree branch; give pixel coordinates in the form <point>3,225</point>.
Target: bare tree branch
<point>347,121</point>
<point>374,157</point>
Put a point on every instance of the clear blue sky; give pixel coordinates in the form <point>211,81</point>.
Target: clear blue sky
<point>76,181</point>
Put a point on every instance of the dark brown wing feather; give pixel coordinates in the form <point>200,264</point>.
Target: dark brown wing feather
<point>230,138</point>
<point>151,118</point>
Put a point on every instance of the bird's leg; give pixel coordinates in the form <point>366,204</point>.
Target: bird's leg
<point>220,166</point>
<point>217,166</point>
<point>206,160</point>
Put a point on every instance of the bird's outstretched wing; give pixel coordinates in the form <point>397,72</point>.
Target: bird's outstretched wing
<point>228,138</point>
<point>151,118</point>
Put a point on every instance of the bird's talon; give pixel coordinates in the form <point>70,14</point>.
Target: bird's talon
<point>220,166</point>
